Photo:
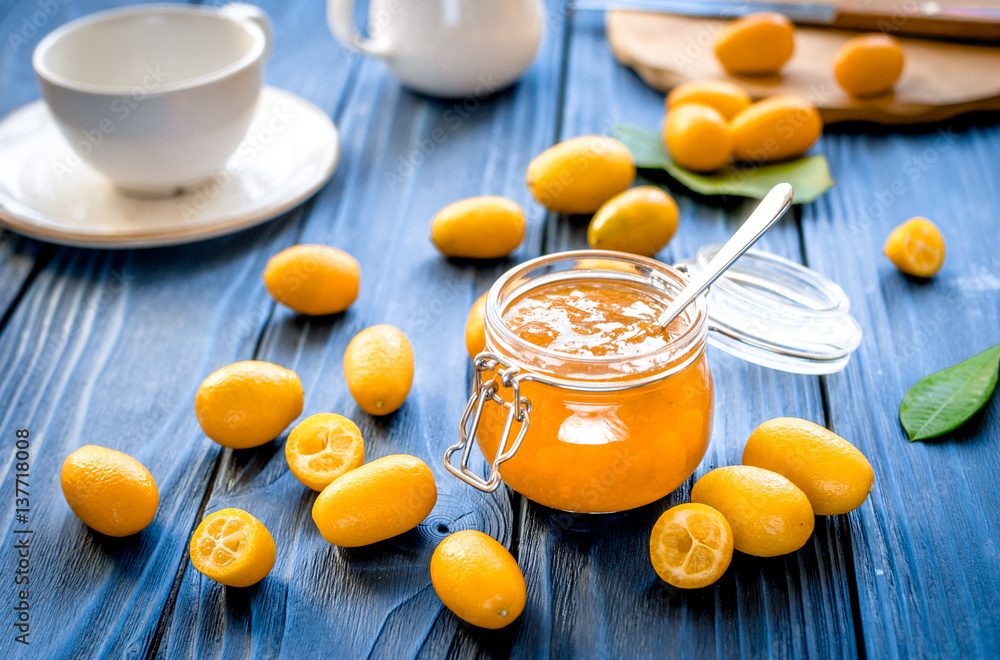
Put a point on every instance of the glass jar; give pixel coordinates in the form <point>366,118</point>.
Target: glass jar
<point>594,434</point>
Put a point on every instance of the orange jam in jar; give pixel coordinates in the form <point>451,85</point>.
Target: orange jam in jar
<point>613,411</point>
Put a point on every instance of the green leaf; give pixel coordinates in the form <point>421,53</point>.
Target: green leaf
<point>944,400</point>
<point>809,176</point>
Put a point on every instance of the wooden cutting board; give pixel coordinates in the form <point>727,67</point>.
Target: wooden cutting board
<point>940,80</point>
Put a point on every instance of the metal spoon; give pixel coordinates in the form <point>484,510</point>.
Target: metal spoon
<point>770,209</point>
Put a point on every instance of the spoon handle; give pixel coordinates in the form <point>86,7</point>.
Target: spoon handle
<point>770,209</point>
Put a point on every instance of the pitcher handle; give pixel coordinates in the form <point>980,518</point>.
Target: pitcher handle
<point>340,18</point>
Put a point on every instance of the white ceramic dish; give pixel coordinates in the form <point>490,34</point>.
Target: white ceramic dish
<point>449,48</point>
<point>156,97</point>
<point>290,151</point>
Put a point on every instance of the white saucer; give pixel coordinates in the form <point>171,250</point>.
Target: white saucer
<point>46,192</point>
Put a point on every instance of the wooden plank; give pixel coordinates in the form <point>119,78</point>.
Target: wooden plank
<point>405,157</point>
<point>109,348</point>
<point>592,590</point>
<point>18,257</point>
<point>926,544</point>
<point>99,352</point>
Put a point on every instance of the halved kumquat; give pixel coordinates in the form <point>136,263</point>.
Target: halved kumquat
<point>916,247</point>
<point>691,546</point>
<point>233,548</point>
<point>323,447</point>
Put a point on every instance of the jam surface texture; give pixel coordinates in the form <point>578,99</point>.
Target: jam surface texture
<point>598,319</point>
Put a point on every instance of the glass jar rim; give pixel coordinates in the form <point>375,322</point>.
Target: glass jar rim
<point>657,277</point>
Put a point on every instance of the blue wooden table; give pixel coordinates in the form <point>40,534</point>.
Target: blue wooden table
<point>108,347</point>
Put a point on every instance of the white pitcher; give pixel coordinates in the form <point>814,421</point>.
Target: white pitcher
<point>450,48</point>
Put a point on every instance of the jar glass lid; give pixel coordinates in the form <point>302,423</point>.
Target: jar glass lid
<point>776,313</point>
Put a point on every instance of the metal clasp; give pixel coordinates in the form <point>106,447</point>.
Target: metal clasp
<point>518,410</point>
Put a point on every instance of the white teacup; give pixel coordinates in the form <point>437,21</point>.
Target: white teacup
<point>450,48</point>
<point>155,97</point>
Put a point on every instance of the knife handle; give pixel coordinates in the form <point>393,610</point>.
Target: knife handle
<point>937,20</point>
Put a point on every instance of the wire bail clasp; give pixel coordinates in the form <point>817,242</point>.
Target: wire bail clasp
<point>518,410</point>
